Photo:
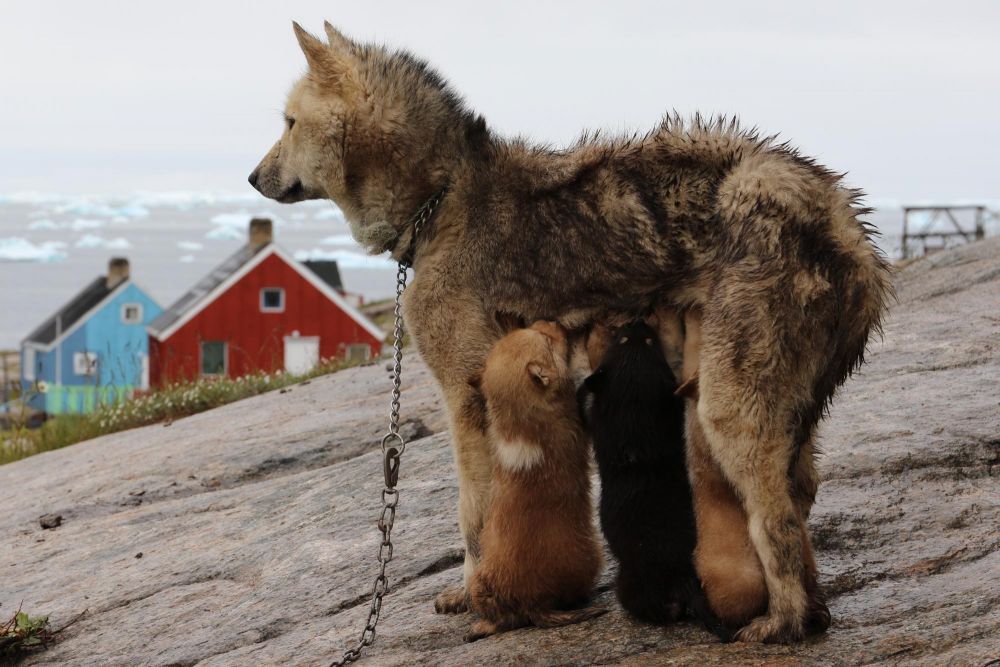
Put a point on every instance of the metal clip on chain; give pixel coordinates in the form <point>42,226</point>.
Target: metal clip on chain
<point>393,446</point>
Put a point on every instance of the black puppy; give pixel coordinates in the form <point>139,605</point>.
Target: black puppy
<point>637,425</point>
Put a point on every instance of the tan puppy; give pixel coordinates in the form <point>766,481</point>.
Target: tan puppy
<point>540,554</point>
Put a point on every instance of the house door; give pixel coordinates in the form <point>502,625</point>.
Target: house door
<point>301,354</point>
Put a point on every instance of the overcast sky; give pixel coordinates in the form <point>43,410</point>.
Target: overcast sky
<point>113,97</point>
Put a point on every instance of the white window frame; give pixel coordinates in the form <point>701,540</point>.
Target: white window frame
<point>225,359</point>
<point>30,362</point>
<point>85,364</point>
<point>124,310</point>
<point>280,291</point>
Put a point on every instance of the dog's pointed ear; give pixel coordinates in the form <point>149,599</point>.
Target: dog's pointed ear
<point>315,51</point>
<point>539,375</point>
<point>338,41</point>
<point>333,67</point>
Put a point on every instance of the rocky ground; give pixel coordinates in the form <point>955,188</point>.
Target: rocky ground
<point>245,535</point>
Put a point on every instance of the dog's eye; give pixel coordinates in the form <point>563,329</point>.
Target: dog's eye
<point>649,341</point>
<point>290,122</point>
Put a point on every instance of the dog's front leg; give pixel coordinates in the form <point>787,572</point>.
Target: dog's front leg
<point>453,336</point>
<point>474,462</point>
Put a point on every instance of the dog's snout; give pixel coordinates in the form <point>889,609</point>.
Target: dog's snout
<point>254,175</point>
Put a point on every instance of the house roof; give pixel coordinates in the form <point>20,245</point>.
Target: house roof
<point>75,311</point>
<point>327,270</point>
<point>325,278</point>
<point>203,288</point>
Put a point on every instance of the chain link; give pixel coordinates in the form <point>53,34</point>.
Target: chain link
<point>393,446</point>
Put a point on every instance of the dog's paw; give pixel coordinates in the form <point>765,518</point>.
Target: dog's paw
<point>819,618</point>
<point>770,629</point>
<point>452,601</point>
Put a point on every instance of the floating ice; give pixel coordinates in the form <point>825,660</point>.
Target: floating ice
<point>94,241</point>
<point>102,209</point>
<point>18,249</point>
<point>346,258</point>
<point>84,223</point>
<point>190,199</point>
<point>190,245</point>
<point>339,239</point>
<point>186,259</point>
<point>45,224</point>
<point>226,234</point>
<point>240,219</point>
<point>329,214</point>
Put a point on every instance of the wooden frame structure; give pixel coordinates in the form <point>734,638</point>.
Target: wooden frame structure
<point>927,230</point>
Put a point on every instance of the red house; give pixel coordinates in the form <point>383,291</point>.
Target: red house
<point>260,310</point>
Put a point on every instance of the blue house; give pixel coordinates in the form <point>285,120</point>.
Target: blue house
<point>92,351</point>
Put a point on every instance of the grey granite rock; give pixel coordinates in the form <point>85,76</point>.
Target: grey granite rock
<point>256,521</point>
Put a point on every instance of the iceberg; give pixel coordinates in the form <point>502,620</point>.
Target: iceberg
<point>19,249</point>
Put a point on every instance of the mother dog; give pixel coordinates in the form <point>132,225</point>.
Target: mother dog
<point>763,242</point>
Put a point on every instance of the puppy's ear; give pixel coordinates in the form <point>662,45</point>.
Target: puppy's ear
<point>508,321</point>
<point>539,375</point>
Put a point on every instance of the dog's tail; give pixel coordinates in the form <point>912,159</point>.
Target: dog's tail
<point>551,618</point>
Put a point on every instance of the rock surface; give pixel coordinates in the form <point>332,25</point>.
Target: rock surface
<point>256,521</point>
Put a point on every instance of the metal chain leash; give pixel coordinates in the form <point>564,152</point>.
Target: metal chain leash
<point>393,446</point>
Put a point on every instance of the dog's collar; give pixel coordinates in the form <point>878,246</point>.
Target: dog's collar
<point>418,221</point>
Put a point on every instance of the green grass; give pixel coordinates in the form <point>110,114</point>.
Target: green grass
<point>166,404</point>
<point>23,633</point>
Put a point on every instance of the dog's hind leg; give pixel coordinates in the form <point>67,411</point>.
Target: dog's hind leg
<point>757,376</point>
<point>805,478</point>
<point>731,575</point>
<point>805,483</point>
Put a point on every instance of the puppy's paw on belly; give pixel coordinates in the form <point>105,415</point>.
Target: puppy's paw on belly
<point>452,601</point>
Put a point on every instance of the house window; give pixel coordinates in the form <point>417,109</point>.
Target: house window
<point>85,363</point>
<point>359,352</point>
<point>213,357</point>
<point>29,364</point>
<point>272,300</point>
<point>132,313</point>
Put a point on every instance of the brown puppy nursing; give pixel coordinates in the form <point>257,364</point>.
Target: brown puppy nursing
<point>540,555</point>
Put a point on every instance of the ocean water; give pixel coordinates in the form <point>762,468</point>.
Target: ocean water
<point>51,245</point>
